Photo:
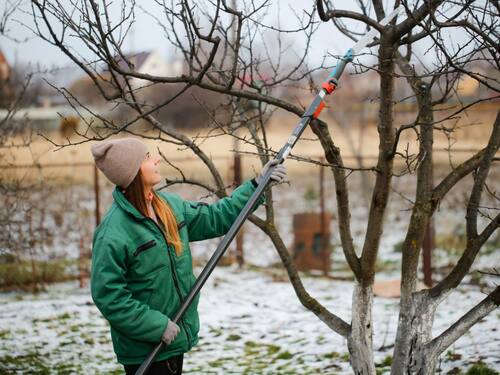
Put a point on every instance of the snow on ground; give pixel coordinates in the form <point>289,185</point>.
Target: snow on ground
<point>251,322</point>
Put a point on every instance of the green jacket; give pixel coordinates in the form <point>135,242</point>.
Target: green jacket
<point>137,280</point>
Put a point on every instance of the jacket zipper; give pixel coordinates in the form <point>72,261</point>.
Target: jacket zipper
<point>144,247</point>
<point>172,266</point>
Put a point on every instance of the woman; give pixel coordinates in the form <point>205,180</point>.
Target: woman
<point>141,261</point>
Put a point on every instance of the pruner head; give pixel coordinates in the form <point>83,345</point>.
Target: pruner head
<point>368,38</point>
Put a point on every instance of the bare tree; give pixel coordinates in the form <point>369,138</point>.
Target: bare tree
<point>227,52</point>
<point>415,350</point>
<point>19,239</point>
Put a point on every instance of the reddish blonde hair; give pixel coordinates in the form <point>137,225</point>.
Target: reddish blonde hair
<point>135,193</point>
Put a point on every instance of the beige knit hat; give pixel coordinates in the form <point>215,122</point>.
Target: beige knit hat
<point>119,159</point>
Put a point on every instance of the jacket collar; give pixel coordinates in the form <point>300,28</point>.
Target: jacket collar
<point>128,207</point>
<point>125,205</point>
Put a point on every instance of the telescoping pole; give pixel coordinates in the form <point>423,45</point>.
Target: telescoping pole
<point>311,113</point>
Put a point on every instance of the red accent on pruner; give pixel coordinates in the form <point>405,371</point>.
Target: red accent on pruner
<point>329,86</point>
<point>319,109</point>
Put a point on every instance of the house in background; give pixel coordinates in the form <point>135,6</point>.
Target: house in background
<point>61,77</point>
<point>4,68</point>
<point>149,62</point>
<point>6,92</point>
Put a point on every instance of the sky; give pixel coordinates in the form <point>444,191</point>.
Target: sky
<point>20,45</point>
<point>147,35</point>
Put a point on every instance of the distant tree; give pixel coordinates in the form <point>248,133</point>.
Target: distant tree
<point>16,90</point>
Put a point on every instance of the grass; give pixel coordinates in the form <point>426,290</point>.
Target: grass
<point>481,369</point>
<point>257,358</point>
<point>332,355</point>
<point>19,275</point>
<point>387,265</point>
<point>31,362</point>
<point>455,243</point>
<point>71,356</point>
<point>284,355</point>
<point>386,362</point>
<point>272,349</point>
<point>34,362</point>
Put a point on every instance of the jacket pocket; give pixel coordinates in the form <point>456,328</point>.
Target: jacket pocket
<point>144,247</point>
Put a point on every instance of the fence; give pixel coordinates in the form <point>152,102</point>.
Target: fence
<point>237,176</point>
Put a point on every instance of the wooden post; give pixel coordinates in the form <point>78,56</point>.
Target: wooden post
<point>81,262</point>
<point>96,193</point>
<point>31,244</point>
<point>324,242</point>
<point>240,236</point>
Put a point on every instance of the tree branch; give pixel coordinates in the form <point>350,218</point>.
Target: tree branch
<point>462,325</point>
<point>332,155</point>
<point>416,17</point>
<point>331,320</point>
<point>336,13</point>
<point>474,241</point>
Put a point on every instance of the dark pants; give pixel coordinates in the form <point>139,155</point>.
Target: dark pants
<point>170,366</point>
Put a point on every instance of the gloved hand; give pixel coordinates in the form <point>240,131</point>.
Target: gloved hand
<point>278,174</point>
<point>170,332</point>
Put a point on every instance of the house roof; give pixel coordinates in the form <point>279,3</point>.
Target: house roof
<point>3,60</point>
<point>4,67</point>
<point>137,59</point>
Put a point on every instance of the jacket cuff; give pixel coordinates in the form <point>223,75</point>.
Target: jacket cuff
<point>262,198</point>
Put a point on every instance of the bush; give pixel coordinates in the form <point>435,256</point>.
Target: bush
<point>19,275</point>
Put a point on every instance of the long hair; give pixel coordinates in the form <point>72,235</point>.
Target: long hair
<point>135,193</point>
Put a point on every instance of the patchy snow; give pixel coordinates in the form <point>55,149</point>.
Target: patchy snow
<point>251,319</point>
<point>251,322</point>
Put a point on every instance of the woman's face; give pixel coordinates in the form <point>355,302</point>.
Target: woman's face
<point>149,169</point>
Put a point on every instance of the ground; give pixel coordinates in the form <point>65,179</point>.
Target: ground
<point>251,319</point>
<point>251,322</point>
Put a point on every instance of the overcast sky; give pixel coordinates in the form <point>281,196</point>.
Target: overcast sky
<point>147,34</point>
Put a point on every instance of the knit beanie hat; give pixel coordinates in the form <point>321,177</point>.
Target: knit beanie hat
<point>119,159</point>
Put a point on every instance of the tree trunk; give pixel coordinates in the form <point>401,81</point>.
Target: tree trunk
<point>417,309</point>
<point>411,354</point>
<point>360,340</point>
